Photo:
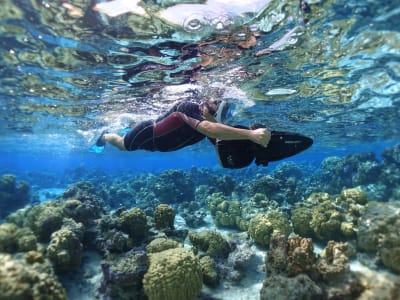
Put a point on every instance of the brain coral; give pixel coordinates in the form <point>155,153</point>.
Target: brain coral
<point>266,225</point>
<point>173,274</point>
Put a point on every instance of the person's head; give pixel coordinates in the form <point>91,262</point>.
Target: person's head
<point>215,110</point>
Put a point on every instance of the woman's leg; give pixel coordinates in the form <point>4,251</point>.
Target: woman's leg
<point>115,140</point>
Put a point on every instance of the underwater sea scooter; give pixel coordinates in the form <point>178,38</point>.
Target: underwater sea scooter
<point>237,154</point>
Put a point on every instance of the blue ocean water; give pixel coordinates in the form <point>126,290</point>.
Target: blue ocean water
<point>328,69</point>
<point>69,71</point>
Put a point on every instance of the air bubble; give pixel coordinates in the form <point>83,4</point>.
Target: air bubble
<point>194,23</point>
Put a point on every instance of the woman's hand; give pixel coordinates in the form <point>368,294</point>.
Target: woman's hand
<point>261,136</point>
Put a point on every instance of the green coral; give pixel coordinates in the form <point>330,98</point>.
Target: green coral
<point>26,240</point>
<point>76,210</point>
<point>301,217</point>
<point>134,223</point>
<point>378,231</point>
<point>261,200</point>
<point>21,281</point>
<point>44,219</point>
<point>326,221</point>
<point>8,237</point>
<point>164,216</point>
<point>173,274</point>
<point>226,213</point>
<point>211,242</point>
<point>264,226</point>
<point>355,194</point>
<point>13,194</point>
<point>161,244</point>
<point>13,238</point>
<point>389,251</point>
<point>65,250</point>
<point>210,275</point>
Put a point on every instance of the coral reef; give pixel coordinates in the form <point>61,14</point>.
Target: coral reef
<point>65,249</point>
<point>173,274</point>
<point>84,204</point>
<point>134,223</point>
<point>292,263</point>
<point>164,216</point>
<point>325,221</point>
<point>173,186</point>
<point>264,226</point>
<point>161,244</point>
<point>193,213</point>
<point>378,232</point>
<point>26,240</point>
<point>13,194</point>
<point>208,269</point>
<point>8,237</point>
<point>226,213</point>
<point>279,287</point>
<point>211,242</point>
<point>19,280</point>
<point>301,216</point>
<point>123,275</point>
<point>145,257</point>
<point>44,219</point>
<point>325,218</point>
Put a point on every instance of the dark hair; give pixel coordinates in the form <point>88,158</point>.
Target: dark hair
<point>211,110</point>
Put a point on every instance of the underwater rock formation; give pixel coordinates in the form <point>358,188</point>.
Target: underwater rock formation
<point>264,226</point>
<point>123,275</point>
<point>13,194</point>
<point>279,287</point>
<point>173,274</point>
<point>20,280</point>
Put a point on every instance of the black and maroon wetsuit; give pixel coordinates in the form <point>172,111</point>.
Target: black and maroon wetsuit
<point>173,130</point>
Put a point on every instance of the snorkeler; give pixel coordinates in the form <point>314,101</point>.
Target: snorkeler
<point>185,124</point>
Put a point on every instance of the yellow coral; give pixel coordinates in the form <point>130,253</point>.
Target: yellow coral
<point>173,274</point>
<point>355,194</point>
<point>21,281</point>
<point>161,244</point>
<point>266,225</point>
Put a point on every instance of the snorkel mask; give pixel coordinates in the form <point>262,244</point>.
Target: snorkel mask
<point>222,110</point>
<point>220,113</point>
